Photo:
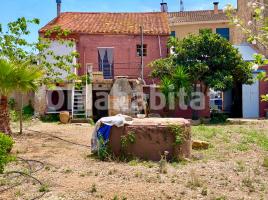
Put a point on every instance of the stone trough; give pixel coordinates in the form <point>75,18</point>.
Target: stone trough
<point>149,138</point>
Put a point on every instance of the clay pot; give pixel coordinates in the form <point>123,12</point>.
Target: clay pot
<point>65,117</point>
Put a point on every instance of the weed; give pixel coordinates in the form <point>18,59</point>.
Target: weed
<point>18,193</point>
<point>220,198</point>
<point>93,189</point>
<point>163,163</point>
<point>128,139</point>
<point>3,182</point>
<point>134,162</point>
<point>44,188</point>
<point>242,147</point>
<point>125,141</point>
<point>104,151</point>
<point>148,164</point>
<point>194,181</point>
<point>240,166</point>
<point>248,182</point>
<point>115,197</point>
<point>91,122</point>
<point>204,192</point>
<point>173,180</point>
<point>151,179</point>
<point>265,162</point>
<point>179,133</point>
<point>68,171</point>
<point>138,174</point>
<point>112,171</point>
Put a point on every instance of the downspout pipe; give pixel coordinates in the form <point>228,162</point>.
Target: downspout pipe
<point>142,60</point>
<point>160,48</point>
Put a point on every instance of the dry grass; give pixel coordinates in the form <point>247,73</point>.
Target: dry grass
<point>234,167</point>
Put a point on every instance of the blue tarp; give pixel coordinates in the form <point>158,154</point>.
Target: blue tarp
<point>104,133</point>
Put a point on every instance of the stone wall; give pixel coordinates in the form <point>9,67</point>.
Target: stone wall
<point>151,138</point>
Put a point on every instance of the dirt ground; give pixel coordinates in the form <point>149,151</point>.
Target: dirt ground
<point>231,169</point>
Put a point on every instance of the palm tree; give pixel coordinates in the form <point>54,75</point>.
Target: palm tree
<point>179,79</point>
<point>22,77</point>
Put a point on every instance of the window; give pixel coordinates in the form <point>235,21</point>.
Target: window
<point>106,61</point>
<point>173,34</point>
<point>224,32</point>
<point>139,50</point>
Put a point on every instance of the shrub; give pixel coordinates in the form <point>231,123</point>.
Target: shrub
<point>50,118</point>
<point>14,115</point>
<point>28,110</point>
<point>11,103</point>
<point>6,144</point>
<point>27,113</point>
<point>217,117</point>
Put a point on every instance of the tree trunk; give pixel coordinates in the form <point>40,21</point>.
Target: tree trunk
<point>21,113</point>
<point>4,116</point>
<point>195,114</point>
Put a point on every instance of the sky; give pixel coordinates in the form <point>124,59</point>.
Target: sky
<point>45,10</point>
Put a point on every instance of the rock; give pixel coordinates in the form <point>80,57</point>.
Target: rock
<point>198,156</point>
<point>198,144</point>
<point>187,159</point>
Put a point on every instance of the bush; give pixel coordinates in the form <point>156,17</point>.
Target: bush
<point>50,118</point>
<point>217,118</point>
<point>28,110</point>
<point>14,115</point>
<point>6,144</point>
<point>27,113</point>
<point>11,103</point>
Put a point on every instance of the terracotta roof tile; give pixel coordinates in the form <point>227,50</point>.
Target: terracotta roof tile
<point>176,18</point>
<point>154,23</point>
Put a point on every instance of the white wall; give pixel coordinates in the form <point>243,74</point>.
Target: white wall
<point>61,49</point>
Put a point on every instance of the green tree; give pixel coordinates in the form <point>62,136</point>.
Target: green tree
<point>172,84</point>
<point>19,51</point>
<point>208,58</point>
<point>256,31</point>
<point>15,77</point>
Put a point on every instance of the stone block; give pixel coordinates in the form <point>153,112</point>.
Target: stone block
<point>198,144</point>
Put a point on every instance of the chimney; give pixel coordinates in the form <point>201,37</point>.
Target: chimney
<point>164,7</point>
<point>58,7</point>
<point>216,8</point>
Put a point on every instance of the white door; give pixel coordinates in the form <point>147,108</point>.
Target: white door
<point>251,100</point>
